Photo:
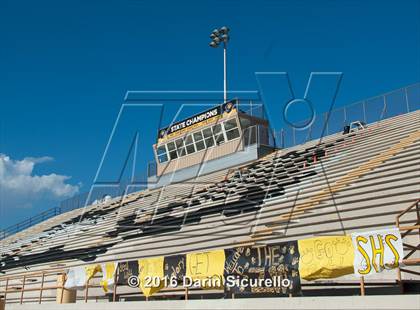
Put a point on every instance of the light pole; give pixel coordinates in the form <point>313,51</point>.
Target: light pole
<point>221,36</point>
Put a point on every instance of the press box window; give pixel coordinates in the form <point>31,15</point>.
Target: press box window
<point>230,124</point>
<point>231,129</point>
<point>162,155</point>
<point>172,150</point>
<point>180,147</point>
<point>208,137</point>
<point>189,144</point>
<point>232,134</point>
<point>218,134</point>
<point>199,142</point>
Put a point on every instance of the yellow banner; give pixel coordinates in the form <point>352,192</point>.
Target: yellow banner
<point>207,268</point>
<point>91,270</point>
<point>108,274</point>
<point>151,275</point>
<point>325,257</point>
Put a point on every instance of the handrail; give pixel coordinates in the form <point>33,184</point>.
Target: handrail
<point>397,220</point>
<point>407,230</point>
<point>30,222</point>
<point>76,202</point>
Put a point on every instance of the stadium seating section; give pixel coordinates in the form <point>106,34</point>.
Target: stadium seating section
<point>332,186</point>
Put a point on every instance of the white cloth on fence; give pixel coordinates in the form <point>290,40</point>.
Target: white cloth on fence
<point>78,276</point>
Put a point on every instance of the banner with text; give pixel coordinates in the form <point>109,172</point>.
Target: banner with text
<point>151,275</point>
<point>175,267</point>
<point>127,270</point>
<point>325,257</point>
<point>207,268</point>
<point>268,269</point>
<point>210,116</point>
<point>376,251</point>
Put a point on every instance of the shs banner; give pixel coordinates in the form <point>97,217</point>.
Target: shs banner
<point>376,251</point>
<point>263,269</point>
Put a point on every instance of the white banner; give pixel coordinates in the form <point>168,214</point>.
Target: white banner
<point>76,278</point>
<point>375,251</point>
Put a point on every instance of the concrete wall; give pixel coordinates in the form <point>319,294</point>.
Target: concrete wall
<point>342,302</point>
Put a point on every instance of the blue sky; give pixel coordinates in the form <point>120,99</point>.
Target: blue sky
<point>66,66</point>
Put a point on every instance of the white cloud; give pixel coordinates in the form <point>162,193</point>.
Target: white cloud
<point>19,187</point>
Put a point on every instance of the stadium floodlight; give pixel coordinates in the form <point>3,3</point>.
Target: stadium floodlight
<point>221,36</point>
<point>217,40</point>
<point>224,30</point>
<point>225,38</point>
<point>215,32</point>
<point>213,44</point>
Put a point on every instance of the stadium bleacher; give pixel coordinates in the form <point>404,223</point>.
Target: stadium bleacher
<point>336,185</point>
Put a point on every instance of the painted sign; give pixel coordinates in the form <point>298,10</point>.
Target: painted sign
<point>376,251</point>
<point>325,257</point>
<point>198,120</point>
<point>269,269</point>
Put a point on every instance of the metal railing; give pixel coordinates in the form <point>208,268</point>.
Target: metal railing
<point>413,248</point>
<point>260,135</point>
<point>30,222</point>
<point>76,202</point>
<point>400,101</point>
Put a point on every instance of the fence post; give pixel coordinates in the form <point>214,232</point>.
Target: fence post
<point>42,287</point>
<point>384,109</point>
<point>23,289</point>
<point>406,99</point>
<point>326,124</point>
<point>87,290</point>
<point>364,112</point>
<point>114,292</point>
<point>282,138</point>
<point>64,296</point>
<point>399,280</point>
<point>362,286</point>
<point>345,116</point>
<point>5,289</point>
